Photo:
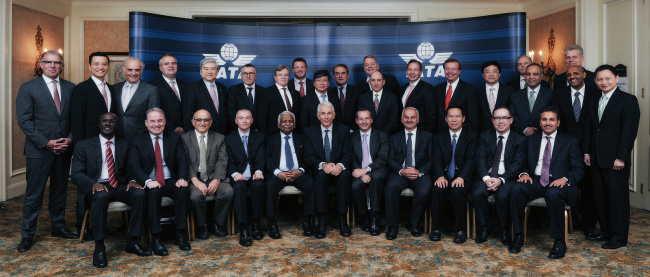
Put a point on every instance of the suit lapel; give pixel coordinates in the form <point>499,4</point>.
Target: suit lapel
<point>42,83</point>
<point>356,145</point>
<point>542,95</point>
<point>212,140</point>
<point>455,95</point>
<point>537,143</point>
<point>166,146</point>
<point>98,154</point>
<point>194,145</point>
<point>611,104</point>
<point>373,145</point>
<point>559,143</point>
<point>136,96</point>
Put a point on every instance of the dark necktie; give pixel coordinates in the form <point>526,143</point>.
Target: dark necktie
<point>110,163</point>
<point>342,99</point>
<point>497,158</point>
<point>546,163</point>
<point>326,146</point>
<point>160,174</point>
<point>409,151</point>
<point>576,106</point>
<point>286,99</point>
<point>250,97</point>
<point>287,153</point>
<point>452,163</point>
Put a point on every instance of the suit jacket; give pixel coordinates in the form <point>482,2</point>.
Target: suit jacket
<point>379,149</point>
<point>87,163</point>
<point>309,108</point>
<point>238,99</point>
<point>503,99</point>
<point>423,151</point>
<point>308,86</point>
<point>422,98</point>
<point>86,106</point>
<point>613,136</point>
<point>272,105</point>
<point>464,155</point>
<point>390,85</point>
<point>514,154</point>
<point>522,116</point>
<point>216,155</point>
<point>237,158</point>
<point>131,120</point>
<point>566,159</point>
<point>169,102</point>
<point>273,150</point>
<point>349,109</point>
<point>199,98</point>
<point>514,84</point>
<point>38,118</point>
<point>387,118</point>
<point>465,97</point>
<point>142,159</point>
<point>315,151</point>
<point>562,100</point>
<point>560,81</point>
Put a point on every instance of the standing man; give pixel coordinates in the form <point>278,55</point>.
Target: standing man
<point>609,138</point>
<point>245,95</point>
<point>327,145</point>
<point>383,106</point>
<point>171,93</point>
<point>493,94</point>
<point>43,113</point>
<point>519,82</point>
<point>527,103</point>
<point>159,162</point>
<point>456,92</point>
<point>348,95</point>
<point>208,161</point>
<point>277,99</point>
<point>370,66</point>
<point>409,161</point>
<point>99,169</point>
<point>300,83</point>
<point>246,166</point>
<point>309,104</point>
<point>573,55</point>
<point>210,95</point>
<point>419,95</point>
<point>368,159</point>
<point>133,98</point>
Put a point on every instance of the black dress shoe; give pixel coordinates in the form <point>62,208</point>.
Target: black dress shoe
<point>374,227</point>
<point>599,237</point>
<point>559,249</point>
<point>307,230</point>
<point>321,230</point>
<point>245,238</point>
<point>136,248</point>
<point>202,232</point>
<point>416,231</point>
<point>506,238</point>
<point>218,231</point>
<point>391,233</point>
<point>516,244</point>
<point>181,241</point>
<point>88,234</point>
<point>99,259</point>
<point>158,248</point>
<point>344,229</point>
<point>274,230</point>
<point>64,233</point>
<point>590,233</point>
<point>258,234</point>
<point>25,244</point>
<point>435,235</point>
<point>482,235</point>
<point>613,245</point>
<point>460,237</point>
<point>365,223</point>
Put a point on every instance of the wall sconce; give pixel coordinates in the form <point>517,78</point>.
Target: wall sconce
<point>39,51</point>
<point>550,68</point>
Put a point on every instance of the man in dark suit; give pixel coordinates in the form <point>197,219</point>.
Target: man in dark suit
<point>309,103</point>
<point>570,102</point>
<point>159,162</point>
<point>99,169</point>
<point>326,147</point>
<point>419,95</point>
<point>300,83</point>
<point>368,158</point>
<point>383,106</point>
<point>519,82</point>
<point>370,66</point>
<point>573,55</point>
<point>246,168</point>
<point>348,95</point>
<point>277,99</point>
<point>43,113</point>
<point>609,138</point>
<point>208,161</point>
<point>285,159</point>
<point>171,93</point>
<point>209,95</point>
<point>409,162</point>
<point>500,157</point>
<point>553,170</point>
<point>492,94</point>
<point>453,167</point>
<point>527,103</point>
<point>456,92</point>
<point>133,98</point>
<point>245,95</point>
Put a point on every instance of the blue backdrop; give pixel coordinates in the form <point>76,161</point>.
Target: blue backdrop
<point>472,41</point>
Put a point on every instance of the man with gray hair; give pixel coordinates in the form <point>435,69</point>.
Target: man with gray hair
<point>574,55</point>
<point>133,98</point>
<point>209,95</point>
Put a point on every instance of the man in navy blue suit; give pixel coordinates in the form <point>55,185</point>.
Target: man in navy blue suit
<point>527,103</point>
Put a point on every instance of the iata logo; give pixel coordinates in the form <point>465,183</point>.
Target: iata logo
<point>230,53</point>
<point>426,53</point>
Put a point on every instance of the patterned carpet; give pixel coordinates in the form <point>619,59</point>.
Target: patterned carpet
<point>358,255</point>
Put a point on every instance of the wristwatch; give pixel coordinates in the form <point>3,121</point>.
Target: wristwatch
<point>368,168</point>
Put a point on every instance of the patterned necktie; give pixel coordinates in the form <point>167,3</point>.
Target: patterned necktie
<point>323,96</point>
<point>366,153</point>
<point>175,91</point>
<point>452,164</point>
<point>492,100</point>
<point>531,100</point>
<point>203,157</point>
<point>376,103</point>
<point>326,146</point>
<point>546,162</point>
<point>215,99</point>
<point>110,163</point>
<point>577,108</point>
<point>250,97</point>
<point>302,90</point>
<point>288,157</point>
<point>409,94</point>
<point>342,99</point>
<point>497,159</point>
<point>244,140</point>
<point>448,97</point>
<point>409,151</point>
<point>286,99</point>
<point>160,174</point>
<point>105,94</point>
<point>601,106</point>
<point>57,100</point>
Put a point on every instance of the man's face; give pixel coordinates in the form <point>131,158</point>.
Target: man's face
<point>410,119</point>
<point>133,71</point>
<point>341,75</point>
<point>575,76</point>
<point>321,84</point>
<point>572,57</point>
<point>248,75</point>
<point>377,81</point>
<point>98,67</point>
<point>244,119</point>
<point>413,72</point>
<point>522,63</point>
<point>452,71</point>
<point>502,120</point>
<point>491,74</point>
<point>49,65</point>
<point>168,67</point>
<point>108,125</point>
<point>370,66</point>
<point>606,80</point>
<point>202,121</point>
<point>549,122</point>
<point>282,77</point>
<point>326,116</point>
<point>364,120</point>
<point>533,76</point>
<point>299,70</point>
<point>155,122</point>
<point>209,72</point>
<point>286,123</point>
<point>455,119</point>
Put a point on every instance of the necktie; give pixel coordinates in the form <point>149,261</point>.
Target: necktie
<point>203,157</point>
<point>409,94</point>
<point>213,95</point>
<point>577,108</point>
<point>376,103</point>
<point>175,91</point>
<point>57,101</point>
<point>342,99</point>
<point>452,164</point>
<point>110,163</point>
<point>245,142</point>
<point>105,94</point>
<point>286,99</point>
<point>323,96</point>
<point>287,153</point>
<point>126,96</point>
<point>546,164</point>
<point>448,97</point>
<point>523,84</point>
<point>409,151</point>
<point>250,97</point>
<point>366,153</point>
<point>531,100</point>
<point>497,159</point>
<point>326,146</point>
<point>160,174</point>
<point>491,100</point>
<point>302,90</point>
<point>601,106</point>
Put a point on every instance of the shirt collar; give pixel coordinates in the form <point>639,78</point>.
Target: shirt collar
<point>451,134</point>
<point>103,140</point>
<point>244,134</point>
<point>97,81</point>
<point>168,80</point>
<point>322,129</point>
<point>49,80</point>
<point>609,93</point>
<point>368,133</point>
<point>581,90</point>
<point>129,84</point>
<point>375,93</point>
<point>415,83</point>
<point>251,86</point>
<point>552,135</point>
<point>414,132</point>
<point>282,135</point>
<point>210,83</point>
<point>454,82</point>
<point>505,136</point>
<point>154,136</point>
<point>496,87</point>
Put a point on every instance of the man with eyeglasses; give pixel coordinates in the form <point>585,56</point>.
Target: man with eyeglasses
<point>245,95</point>
<point>300,83</point>
<point>43,113</point>
<point>348,95</point>
<point>171,92</point>
<point>519,82</point>
<point>210,95</point>
<point>493,94</point>
<point>309,103</point>
<point>527,103</point>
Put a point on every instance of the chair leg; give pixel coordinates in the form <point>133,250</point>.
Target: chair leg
<point>127,216</point>
<point>473,222</point>
<point>189,234</point>
<point>190,227</point>
<point>570,221</point>
<point>83,226</point>
<point>526,222</point>
<point>353,215</point>
<point>467,221</point>
<point>231,215</point>
<point>566,227</point>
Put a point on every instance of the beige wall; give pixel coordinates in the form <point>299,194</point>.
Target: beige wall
<point>104,36</point>
<point>563,24</point>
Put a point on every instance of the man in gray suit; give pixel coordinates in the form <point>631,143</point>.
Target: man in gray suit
<point>43,113</point>
<point>134,97</point>
<point>208,161</point>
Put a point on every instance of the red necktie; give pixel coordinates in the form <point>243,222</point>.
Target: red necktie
<point>407,96</point>
<point>57,101</point>
<point>302,90</point>
<point>448,97</point>
<point>286,99</point>
<point>160,174</point>
<point>175,91</point>
<point>110,163</point>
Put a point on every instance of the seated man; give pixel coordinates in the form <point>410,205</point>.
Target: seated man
<point>159,162</point>
<point>101,176</point>
<point>553,169</point>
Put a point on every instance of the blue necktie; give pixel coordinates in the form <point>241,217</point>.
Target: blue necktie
<point>452,164</point>
<point>326,145</point>
<point>577,108</point>
<point>323,96</point>
<point>287,153</point>
<point>250,97</point>
<point>409,151</point>
<point>245,142</point>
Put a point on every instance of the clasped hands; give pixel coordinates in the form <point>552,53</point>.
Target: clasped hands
<point>560,182</point>
<point>289,176</point>
<point>332,169</point>
<point>58,146</point>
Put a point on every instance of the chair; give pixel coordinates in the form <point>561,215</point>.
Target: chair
<point>291,190</point>
<point>230,220</point>
<point>490,201</point>
<point>113,207</point>
<point>165,202</point>
<point>407,192</point>
<point>568,222</point>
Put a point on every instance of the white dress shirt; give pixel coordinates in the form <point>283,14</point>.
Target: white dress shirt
<point>502,165</point>
<point>453,87</point>
<point>167,173</point>
<point>101,87</point>
<point>367,142</point>
<point>406,92</point>
<point>540,160</point>
<point>49,82</point>
<point>280,89</point>
<point>283,158</point>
